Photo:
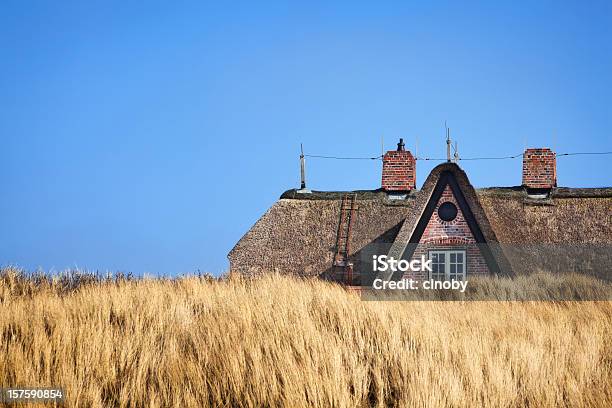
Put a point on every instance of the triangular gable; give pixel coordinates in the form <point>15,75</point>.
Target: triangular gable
<point>447,179</point>
<point>448,174</point>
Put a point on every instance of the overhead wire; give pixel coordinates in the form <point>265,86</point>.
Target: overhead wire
<point>342,158</point>
<point>460,158</point>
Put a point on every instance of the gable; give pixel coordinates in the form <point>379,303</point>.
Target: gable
<point>447,231</point>
<point>448,179</point>
<point>447,186</point>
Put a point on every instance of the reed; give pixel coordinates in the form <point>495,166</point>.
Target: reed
<point>282,341</point>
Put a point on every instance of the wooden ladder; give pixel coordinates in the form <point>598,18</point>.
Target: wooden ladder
<point>342,265</point>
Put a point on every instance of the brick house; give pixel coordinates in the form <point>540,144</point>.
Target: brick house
<point>463,230</point>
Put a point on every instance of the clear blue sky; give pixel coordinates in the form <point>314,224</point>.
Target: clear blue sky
<point>149,138</point>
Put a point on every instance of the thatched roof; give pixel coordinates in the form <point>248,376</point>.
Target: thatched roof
<point>297,235</point>
<point>569,231</point>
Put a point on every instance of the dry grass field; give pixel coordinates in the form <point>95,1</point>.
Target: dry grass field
<point>278,341</point>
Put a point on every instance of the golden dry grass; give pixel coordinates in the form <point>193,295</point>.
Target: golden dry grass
<point>278,341</point>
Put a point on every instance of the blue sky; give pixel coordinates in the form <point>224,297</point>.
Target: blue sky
<point>150,138</point>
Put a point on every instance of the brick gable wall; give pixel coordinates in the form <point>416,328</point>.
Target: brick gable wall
<point>441,234</point>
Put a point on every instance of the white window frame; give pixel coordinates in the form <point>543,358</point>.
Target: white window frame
<point>447,261</point>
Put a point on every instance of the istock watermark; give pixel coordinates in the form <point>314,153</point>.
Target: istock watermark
<point>403,265</point>
<point>384,263</point>
<point>411,284</point>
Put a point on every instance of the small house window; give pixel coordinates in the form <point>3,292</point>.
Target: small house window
<point>447,211</point>
<point>447,264</point>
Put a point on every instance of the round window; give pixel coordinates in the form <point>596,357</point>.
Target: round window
<point>447,211</point>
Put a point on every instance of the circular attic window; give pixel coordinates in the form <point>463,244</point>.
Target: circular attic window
<point>447,211</point>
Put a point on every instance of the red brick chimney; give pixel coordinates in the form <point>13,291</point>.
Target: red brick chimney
<point>539,168</point>
<point>399,169</point>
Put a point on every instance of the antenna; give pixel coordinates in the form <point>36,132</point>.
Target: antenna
<point>303,188</point>
<point>416,147</point>
<point>456,155</point>
<point>302,167</point>
<point>448,143</point>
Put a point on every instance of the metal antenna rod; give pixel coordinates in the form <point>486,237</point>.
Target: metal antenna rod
<point>456,155</point>
<point>302,167</point>
<point>448,144</point>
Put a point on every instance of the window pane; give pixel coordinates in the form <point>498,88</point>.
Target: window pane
<point>460,257</point>
<point>453,268</point>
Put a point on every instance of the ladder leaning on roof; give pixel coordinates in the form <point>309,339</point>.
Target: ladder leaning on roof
<point>342,265</point>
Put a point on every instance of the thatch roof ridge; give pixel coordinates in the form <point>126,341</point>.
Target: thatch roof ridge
<point>568,192</point>
<point>378,194</point>
<point>557,192</point>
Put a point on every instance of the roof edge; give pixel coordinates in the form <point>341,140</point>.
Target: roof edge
<point>557,192</point>
<point>378,194</point>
